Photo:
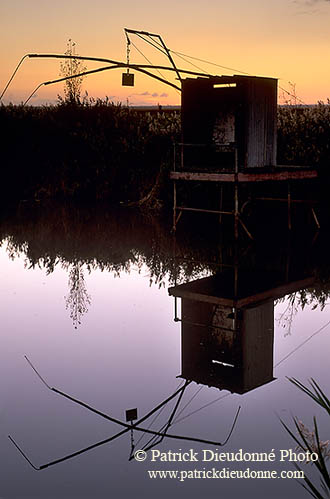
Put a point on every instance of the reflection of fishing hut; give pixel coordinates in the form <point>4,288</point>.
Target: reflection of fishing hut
<point>229,126</point>
<point>227,332</point>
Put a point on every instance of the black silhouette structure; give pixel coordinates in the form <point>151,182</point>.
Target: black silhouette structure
<point>227,327</point>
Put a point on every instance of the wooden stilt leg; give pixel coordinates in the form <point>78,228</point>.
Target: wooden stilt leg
<point>315,218</point>
<point>289,207</point>
<point>174,206</point>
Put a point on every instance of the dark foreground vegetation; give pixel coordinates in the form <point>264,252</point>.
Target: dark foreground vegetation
<point>98,150</point>
<point>304,135</point>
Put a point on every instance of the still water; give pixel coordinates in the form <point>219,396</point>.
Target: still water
<point>85,296</point>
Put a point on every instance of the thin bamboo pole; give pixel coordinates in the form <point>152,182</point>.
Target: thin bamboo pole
<point>127,427</point>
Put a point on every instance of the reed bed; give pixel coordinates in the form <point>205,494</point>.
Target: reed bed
<point>100,150</point>
<point>97,150</point>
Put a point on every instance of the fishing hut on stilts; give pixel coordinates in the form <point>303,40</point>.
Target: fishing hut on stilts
<point>229,137</point>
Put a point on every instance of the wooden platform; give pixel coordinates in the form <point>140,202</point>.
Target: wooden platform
<point>254,288</point>
<point>237,177</point>
<point>254,175</point>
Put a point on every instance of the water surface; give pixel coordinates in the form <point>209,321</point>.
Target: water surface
<point>85,296</point>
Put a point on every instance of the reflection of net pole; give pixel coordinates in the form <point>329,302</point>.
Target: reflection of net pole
<point>131,415</point>
<point>127,427</point>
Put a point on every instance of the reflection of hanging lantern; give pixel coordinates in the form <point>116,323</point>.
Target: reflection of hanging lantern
<point>131,414</point>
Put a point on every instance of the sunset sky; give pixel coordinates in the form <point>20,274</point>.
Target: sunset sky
<point>285,39</point>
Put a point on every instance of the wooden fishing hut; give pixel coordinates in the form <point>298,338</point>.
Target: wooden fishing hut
<point>229,136</point>
<point>232,111</point>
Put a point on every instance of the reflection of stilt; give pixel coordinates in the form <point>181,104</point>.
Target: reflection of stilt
<point>175,273</point>
<point>127,427</point>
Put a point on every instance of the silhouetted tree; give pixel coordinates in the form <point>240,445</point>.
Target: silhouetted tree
<point>72,67</point>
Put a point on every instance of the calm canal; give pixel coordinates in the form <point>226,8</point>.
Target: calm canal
<point>84,295</point>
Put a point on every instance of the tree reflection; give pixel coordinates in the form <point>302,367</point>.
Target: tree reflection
<point>78,300</point>
<point>118,240</point>
<point>315,297</point>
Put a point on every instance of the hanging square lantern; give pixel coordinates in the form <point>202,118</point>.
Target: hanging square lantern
<point>127,80</point>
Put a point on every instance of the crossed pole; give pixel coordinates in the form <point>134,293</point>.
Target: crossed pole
<point>126,427</point>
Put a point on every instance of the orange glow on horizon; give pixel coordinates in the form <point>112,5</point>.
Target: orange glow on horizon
<point>286,41</point>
